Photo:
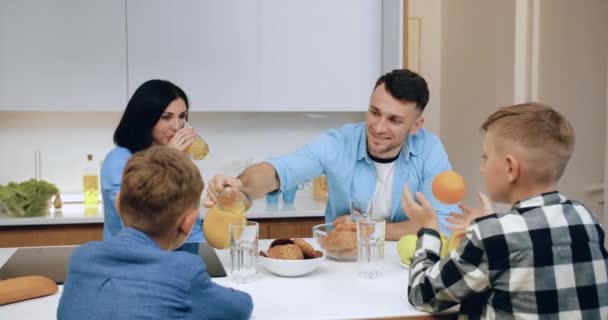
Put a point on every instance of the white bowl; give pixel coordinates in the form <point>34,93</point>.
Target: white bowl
<point>290,268</point>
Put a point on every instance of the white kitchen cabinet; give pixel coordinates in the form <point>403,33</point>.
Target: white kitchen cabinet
<point>320,55</point>
<point>211,49</point>
<point>263,55</point>
<point>62,55</point>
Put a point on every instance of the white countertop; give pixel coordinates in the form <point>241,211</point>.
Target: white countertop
<point>331,292</point>
<point>75,213</point>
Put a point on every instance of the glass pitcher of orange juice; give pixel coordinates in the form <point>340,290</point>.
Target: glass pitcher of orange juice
<point>231,208</point>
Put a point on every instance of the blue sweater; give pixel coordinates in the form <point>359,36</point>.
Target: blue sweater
<point>111,176</point>
<point>130,277</point>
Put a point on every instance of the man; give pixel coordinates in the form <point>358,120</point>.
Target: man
<point>369,161</point>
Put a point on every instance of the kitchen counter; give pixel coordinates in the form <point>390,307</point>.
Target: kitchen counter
<point>331,292</point>
<point>75,213</point>
<point>75,224</point>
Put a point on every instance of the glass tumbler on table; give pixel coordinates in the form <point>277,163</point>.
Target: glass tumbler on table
<point>370,246</point>
<point>244,251</point>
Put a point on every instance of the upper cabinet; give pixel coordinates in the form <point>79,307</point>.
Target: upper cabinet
<point>264,55</point>
<point>62,55</point>
<point>211,49</point>
<point>227,55</point>
<point>319,55</point>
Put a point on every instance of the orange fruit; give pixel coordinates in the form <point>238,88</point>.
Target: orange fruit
<point>448,187</point>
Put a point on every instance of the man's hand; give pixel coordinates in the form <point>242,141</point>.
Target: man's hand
<point>216,185</point>
<point>462,221</point>
<point>421,214</point>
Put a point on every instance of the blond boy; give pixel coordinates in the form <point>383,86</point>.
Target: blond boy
<point>544,259</point>
<point>136,275</point>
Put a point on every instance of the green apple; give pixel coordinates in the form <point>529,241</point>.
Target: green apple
<point>406,247</point>
<point>444,245</point>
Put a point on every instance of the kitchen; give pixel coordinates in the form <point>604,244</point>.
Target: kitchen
<point>528,48</point>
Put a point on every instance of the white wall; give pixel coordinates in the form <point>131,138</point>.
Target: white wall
<point>477,76</point>
<point>573,48</point>
<point>429,13</point>
<point>605,185</point>
<point>65,138</point>
<point>567,47</point>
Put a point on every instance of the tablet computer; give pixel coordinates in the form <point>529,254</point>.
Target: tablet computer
<point>52,262</point>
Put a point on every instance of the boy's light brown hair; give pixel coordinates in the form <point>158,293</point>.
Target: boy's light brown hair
<point>159,185</point>
<point>538,133</point>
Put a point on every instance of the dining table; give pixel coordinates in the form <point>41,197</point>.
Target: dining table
<point>332,291</point>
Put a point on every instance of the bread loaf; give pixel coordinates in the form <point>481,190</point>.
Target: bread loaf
<point>24,288</point>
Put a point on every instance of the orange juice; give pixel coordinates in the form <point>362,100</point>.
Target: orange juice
<point>199,149</point>
<point>216,226</point>
<point>231,208</point>
<point>319,188</point>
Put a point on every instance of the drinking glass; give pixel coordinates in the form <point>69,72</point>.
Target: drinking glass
<point>370,247</point>
<point>199,149</point>
<point>319,188</point>
<point>360,209</point>
<point>244,251</point>
<point>289,195</point>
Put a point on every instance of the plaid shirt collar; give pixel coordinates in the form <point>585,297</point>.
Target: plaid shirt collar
<point>545,199</point>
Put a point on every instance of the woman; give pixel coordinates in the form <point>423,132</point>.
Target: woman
<point>155,115</point>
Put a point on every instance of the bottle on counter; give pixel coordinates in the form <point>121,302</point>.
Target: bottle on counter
<point>91,183</point>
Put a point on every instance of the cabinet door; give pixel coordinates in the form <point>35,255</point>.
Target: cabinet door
<point>292,228</point>
<point>320,55</point>
<point>208,48</point>
<point>62,55</point>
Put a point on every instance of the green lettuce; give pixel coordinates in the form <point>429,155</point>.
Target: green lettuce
<point>27,199</point>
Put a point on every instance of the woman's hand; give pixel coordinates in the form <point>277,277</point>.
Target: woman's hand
<point>421,214</point>
<point>182,139</point>
<point>461,221</point>
<point>216,185</point>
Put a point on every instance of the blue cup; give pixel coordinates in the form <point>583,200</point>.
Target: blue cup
<point>272,197</point>
<point>289,194</point>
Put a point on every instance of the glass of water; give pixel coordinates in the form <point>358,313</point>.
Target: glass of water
<point>370,247</point>
<point>244,251</point>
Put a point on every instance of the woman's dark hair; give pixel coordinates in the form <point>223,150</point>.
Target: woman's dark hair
<point>406,85</point>
<point>145,107</point>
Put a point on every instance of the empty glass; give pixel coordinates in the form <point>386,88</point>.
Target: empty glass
<point>244,251</point>
<point>370,247</point>
<point>360,209</point>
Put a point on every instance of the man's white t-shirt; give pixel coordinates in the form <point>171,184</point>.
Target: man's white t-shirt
<point>381,205</point>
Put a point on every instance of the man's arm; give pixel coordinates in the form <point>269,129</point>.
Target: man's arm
<point>256,181</point>
<point>259,179</point>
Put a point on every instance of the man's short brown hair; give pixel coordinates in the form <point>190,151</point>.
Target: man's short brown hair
<point>544,136</point>
<point>158,186</point>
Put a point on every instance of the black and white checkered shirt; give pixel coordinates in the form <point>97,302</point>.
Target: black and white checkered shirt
<point>545,259</point>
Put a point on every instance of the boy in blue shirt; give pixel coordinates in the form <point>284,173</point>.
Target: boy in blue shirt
<point>135,274</point>
<point>543,259</point>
